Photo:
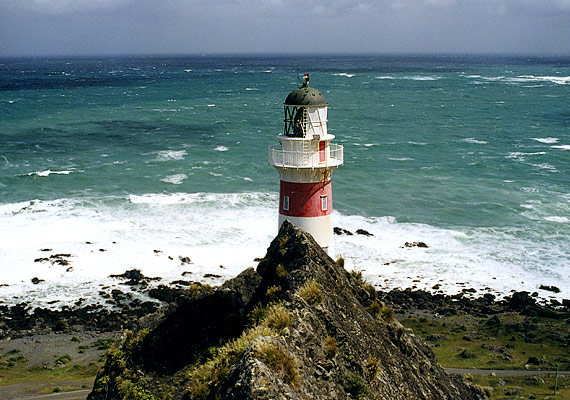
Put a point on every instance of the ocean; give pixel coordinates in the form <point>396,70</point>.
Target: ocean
<point>115,163</point>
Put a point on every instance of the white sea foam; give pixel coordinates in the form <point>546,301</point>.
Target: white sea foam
<point>221,148</point>
<point>170,155</point>
<point>344,74</point>
<point>474,141</point>
<point>411,77</point>
<point>176,179</point>
<point>251,89</point>
<point>231,230</point>
<point>562,147</point>
<point>547,140</point>
<point>559,80</point>
<point>548,167</point>
<point>210,105</point>
<point>562,220</point>
<point>49,172</point>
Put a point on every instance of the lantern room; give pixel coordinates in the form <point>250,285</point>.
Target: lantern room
<point>305,113</point>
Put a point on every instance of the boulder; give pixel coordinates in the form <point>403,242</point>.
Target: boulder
<point>299,326</point>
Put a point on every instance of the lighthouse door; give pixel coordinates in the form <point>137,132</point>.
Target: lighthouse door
<point>322,152</point>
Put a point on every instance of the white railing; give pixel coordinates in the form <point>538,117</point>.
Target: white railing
<point>305,159</point>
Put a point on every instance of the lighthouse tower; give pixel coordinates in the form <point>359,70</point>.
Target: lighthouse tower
<point>305,160</point>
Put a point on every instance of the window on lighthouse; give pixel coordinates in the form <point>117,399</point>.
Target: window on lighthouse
<point>324,203</point>
<point>286,203</point>
<point>299,122</point>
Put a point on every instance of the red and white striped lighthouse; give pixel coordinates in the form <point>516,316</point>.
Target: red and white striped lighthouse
<point>305,160</point>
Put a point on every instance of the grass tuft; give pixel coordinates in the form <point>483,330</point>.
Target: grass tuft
<point>311,292</point>
<point>277,318</point>
<point>279,361</point>
<point>330,347</point>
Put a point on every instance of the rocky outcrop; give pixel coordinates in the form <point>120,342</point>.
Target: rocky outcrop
<point>298,327</point>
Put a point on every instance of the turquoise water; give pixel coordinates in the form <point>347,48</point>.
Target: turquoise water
<point>469,154</point>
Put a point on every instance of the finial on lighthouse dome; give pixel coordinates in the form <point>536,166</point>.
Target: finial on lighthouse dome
<point>305,95</point>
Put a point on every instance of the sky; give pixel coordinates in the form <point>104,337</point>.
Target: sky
<point>149,27</point>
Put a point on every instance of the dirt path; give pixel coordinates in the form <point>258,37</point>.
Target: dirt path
<point>503,372</point>
<point>75,395</point>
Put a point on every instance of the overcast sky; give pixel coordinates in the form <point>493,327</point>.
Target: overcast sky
<point>109,27</point>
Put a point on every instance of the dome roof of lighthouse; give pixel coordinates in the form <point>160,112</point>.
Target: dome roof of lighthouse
<point>305,96</point>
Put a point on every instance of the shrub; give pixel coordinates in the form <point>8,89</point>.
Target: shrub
<point>279,361</point>
<point>340,262</point>
<point>353,385</point>
<point>379,310</point>
<point>311,292</point>
<point>272,292</point>
<point>280,271</point>
<point>373,365</point>
<point>357,275</point>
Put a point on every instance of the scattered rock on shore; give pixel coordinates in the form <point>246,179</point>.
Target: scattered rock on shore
<point>553,289</point>
<point>135,277</point>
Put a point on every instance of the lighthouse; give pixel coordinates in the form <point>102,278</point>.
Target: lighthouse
<point>305,159</point>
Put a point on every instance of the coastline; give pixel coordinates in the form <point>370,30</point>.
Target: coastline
<point>74,331</point>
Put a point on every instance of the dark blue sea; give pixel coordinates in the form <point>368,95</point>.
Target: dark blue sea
<point>134,162</point>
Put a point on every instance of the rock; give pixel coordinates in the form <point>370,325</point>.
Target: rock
<point>466,354</point>
<point>363,232</point>
<point>135,277</point>
<point>553,289</point>
<point>435,337</point>
<point>181,283</point>
<point>520,300</point>
<point>416,244</point>
<point>534,361</point>
<point>266,335</point>
<point>184,260</point>
<point>341,231</point>
<point>566,303</point>
<point>36,280</point>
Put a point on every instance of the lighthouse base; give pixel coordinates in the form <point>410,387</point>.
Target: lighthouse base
<point>319,227</point>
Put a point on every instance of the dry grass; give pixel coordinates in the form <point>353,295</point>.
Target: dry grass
<point>208,375</point>
<point>277,318</point>
<point>285,365</point>
<point>311,292</point>
<point>330,347</point>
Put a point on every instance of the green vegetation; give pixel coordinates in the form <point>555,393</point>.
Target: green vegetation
<point>63,360</point>
<point>311,292</point>
<point>272,292</point>
<point>104,344</point>
<point>373,366</point>
<point>523,387</point>
<point>465,341</point>
<point>21,373</point>
<point>280,271</point>
<point>504,341</point>
<point>354,385</point>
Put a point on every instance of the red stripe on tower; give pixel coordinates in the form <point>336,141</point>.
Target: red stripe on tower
<point>305,199</point>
